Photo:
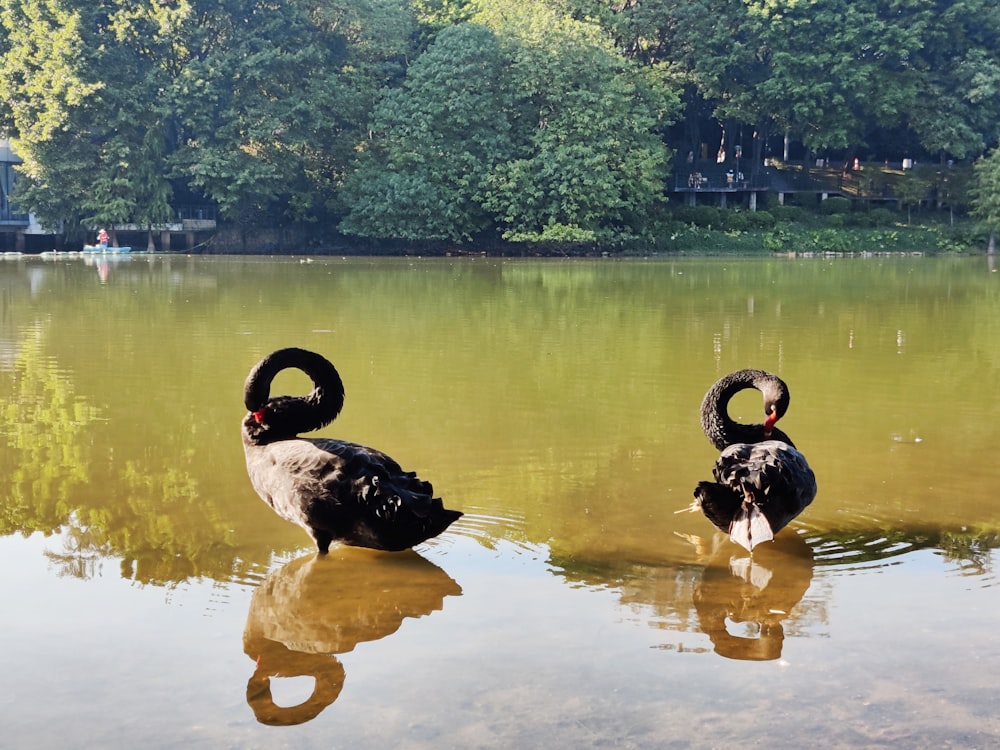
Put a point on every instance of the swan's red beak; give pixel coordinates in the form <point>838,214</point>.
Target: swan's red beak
<point>259,416</point>
<point>769,422</point>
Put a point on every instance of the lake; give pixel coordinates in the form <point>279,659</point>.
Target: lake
<point>150,599</point>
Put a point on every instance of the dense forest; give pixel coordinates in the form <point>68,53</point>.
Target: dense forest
<point>475,120</point>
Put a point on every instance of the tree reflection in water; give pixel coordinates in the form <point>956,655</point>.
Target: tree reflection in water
<point>317,606</point>
<point>44,453</point>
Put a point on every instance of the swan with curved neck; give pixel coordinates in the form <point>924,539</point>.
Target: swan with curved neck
<point>336,490</point>
<point>761,481</point>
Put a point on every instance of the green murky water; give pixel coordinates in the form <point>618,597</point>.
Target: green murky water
<point>151,599</point>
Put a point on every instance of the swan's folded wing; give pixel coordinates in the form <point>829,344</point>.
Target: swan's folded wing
<point>369,478</point>
<point>760,469</point>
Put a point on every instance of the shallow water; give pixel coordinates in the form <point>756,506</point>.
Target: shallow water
<point>150,598</point>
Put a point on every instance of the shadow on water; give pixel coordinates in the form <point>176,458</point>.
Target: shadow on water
<point>309,610</point>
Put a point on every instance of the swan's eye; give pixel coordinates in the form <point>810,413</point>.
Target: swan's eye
<point>769,421</point>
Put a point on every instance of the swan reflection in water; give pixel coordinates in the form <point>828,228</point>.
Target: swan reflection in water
<point>742,600</point>
<point>743,603</point>
<point>317,606</point>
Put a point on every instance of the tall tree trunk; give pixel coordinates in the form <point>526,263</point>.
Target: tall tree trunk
<point>991,245</point>
<point>760,136</point>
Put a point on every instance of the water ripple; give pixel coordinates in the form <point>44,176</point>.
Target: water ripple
<point>968,553</point>
<point>855,549</point>
<point>488,528</point>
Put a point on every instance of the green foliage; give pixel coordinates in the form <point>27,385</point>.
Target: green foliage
<point>722,219</point>
<point>557,234</point>
<point>465,119</point>
<point>777,241</point>
<point>958,111</point>
<point>835,205</point>
<point>87,120</point>
<point>700,216</point>
<point>435,142</point>
<point>986,191</point>
<point>45,75</point>
<point>912,188</point>
<point>827,72</point>
<point>588,151</point>
<point>527,121</point>
<point>735,220</point>
<point>882,217</point>
<point>271,103</point>
<point>788,213</point>
<point>761,219</point>
<point>985,194</point>
<point>258,106</point>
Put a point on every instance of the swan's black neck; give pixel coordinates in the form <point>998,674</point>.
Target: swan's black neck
<point>283,417</point>
<point>721,430</point>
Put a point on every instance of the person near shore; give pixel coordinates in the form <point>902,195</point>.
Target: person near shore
<point>102,237</point>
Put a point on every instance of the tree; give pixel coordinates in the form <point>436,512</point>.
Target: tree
<point>590,162</point>
<point>958,63</point>
<point>271,99</point>
<point>985,194</point>
<point>435,141</point>
<point>254,104</point>
<point>83,80</point>
<point>912,188</point>
<point>521,119</point>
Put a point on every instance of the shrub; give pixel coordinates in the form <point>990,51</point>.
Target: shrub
<point>836,205</point>
<point>788,213</point>
<point>882,217</point>
<point>859,219</point>
<point>737,220</point>
<point>701,216</point>
<point>761,219</point>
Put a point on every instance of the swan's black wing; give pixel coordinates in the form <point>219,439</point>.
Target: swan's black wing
<point>341,491</point>
<point>759,489</point>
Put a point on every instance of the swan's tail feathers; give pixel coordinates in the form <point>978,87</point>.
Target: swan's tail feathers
<point>408,513</point>
<point>441,520</point>
<point>750,527</point>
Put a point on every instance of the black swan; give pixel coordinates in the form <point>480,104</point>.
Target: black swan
<point>761,481</point>
<point>335,490</point>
